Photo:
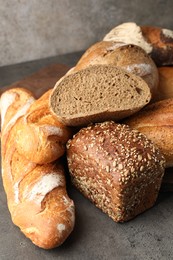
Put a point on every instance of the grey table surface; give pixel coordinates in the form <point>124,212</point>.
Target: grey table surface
<point>149,236</point>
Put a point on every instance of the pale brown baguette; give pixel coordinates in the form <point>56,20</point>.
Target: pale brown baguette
<point>39,135</point>
<point>156,122</point>
<point>129,57</point>
<point>117,168</point>
<point>98,93</point>
<point>156,41</point>
<point>36,194</point>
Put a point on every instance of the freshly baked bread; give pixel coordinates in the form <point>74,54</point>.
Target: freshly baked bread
<point>129,57</point>
<point>39,135</point>
<point>165,87</point>
<point>156,41</point>
<point>98,93</point>
<point>36,194</point>
<point>117,168</point>
<point>156,122</point>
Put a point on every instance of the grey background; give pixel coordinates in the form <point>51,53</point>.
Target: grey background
<point>36,29</point>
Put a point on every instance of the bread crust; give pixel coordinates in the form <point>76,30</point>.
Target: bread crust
<point>165,88</point>
<point>156,122</point>
<point>129,57</point>
<point>156,41</point>
<point>118,169</point>
<point>36,194</point>
<point>40,136</point>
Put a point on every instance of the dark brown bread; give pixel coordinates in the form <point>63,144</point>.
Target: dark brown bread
<point>156,41</point>
<point>117,168</point>
<point>156,122</point>
<point>98,93</point>
<point>129,57</point>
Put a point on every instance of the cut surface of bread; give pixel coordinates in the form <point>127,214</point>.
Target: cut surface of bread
<point>98,93</point>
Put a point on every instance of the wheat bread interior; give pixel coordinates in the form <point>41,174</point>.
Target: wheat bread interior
<point>98,93</point>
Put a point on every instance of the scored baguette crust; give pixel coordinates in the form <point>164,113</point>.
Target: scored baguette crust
<point>36,194</point>
<point>117,168</point>
<point>96,94</point>
<point>129,57</point>
<point>156,41</point>
<point>156,122</point>
<point>40,136</point>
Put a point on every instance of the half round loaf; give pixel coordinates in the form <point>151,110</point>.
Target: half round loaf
<point>98,93</point>
<point>156,122</point>
<point>129,57</point>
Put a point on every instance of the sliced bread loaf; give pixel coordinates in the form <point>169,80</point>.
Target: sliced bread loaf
<point>98,93</point>
<point>129,57</point>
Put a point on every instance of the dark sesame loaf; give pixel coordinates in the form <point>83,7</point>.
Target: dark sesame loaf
<point>117,168</point>
<point>98,93</point>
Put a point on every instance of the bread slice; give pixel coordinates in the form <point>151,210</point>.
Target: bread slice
<point>98,93</point>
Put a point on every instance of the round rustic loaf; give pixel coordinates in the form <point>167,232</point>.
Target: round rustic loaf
<point>117,168</point>
<point>165,87</point>
<point>129,57</point>
<point>156,122</point>
<point>156,41</point>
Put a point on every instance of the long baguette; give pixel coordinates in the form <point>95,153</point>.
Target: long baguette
<point>36,194</point>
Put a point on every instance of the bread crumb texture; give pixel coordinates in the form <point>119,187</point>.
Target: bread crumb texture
<point>99,93</point>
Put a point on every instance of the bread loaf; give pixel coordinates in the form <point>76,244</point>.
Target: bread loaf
<point>156,41</point>
<point>165,87</point>
<point>156,122</point>
<point>98,93</point>
<point>36,194</point>
<point>118,169</point>
<point>39,135</point>
<point>129,57</point>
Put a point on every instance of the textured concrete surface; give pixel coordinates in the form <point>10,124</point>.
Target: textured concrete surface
<point>36,29</point>
<point>96,237</point>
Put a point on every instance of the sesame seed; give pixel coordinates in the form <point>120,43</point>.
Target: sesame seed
<point>120,166</point>
<point>108,168</point>
<point>139,157</point>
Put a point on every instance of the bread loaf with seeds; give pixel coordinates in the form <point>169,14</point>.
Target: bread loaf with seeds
<point>117,168</point>
<point>129,57</point>
<point>36,194</point>
<point>98,93</point>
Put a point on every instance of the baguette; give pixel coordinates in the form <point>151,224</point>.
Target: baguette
<point>36,194</point>
<point>40,136</point>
